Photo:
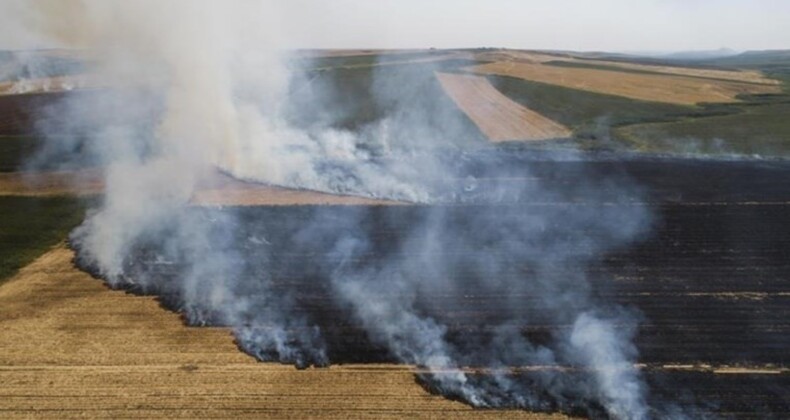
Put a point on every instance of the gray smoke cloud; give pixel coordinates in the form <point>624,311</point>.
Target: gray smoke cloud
<point>486,250</point>
<point>195,86</point>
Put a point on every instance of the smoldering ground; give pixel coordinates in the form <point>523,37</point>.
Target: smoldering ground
<point>193,92</point>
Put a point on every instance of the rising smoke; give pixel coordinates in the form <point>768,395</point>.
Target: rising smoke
<point>198,85</point>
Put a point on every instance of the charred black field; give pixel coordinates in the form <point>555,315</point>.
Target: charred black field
<point>706,277</point>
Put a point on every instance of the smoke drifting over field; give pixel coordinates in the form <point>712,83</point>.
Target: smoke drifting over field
<point>199,85</point>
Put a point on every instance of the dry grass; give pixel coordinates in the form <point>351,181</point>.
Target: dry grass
<point>71,348</point>
<point>681,90</point>
<point>497,116</point>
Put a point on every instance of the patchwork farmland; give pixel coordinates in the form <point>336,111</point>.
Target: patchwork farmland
<point>672,89</point>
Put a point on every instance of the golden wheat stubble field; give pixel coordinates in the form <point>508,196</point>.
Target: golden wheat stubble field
<point>538,57</point>
<point>746,76</point>
<point>70,348</point>
<point>497,116</point>
<point>669,88</point>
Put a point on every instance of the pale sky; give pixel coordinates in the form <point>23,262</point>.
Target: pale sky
<point>612,25</point>
<point>604,25</point>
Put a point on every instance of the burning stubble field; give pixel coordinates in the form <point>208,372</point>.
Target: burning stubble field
<point>522,245</point>
<point>709,283</point>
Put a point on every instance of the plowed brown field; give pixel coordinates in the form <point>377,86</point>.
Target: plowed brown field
<point>497,116</point>
<point>72,348</point>
<point>682,90</point>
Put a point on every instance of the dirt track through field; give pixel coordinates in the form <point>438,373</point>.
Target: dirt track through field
<point>497,116</point>
<point>71,348</point>
<point>681,90</point>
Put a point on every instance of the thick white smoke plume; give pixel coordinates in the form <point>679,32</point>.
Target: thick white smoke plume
<point>195,85</point>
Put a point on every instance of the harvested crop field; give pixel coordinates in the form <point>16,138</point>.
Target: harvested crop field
<point>746,76</point>
<point>498,117</point>
<point>681,90</point>
<point>71,348</point>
